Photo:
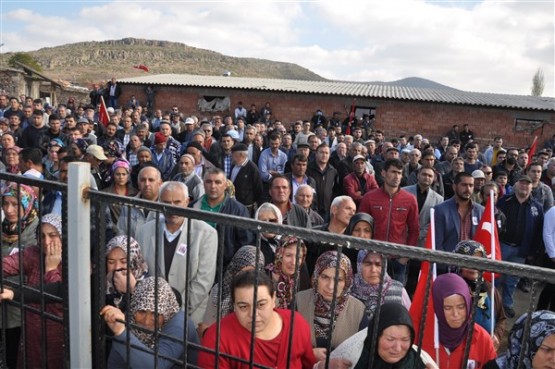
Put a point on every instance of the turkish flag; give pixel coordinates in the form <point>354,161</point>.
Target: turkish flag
<point>532,151</point>
<point>419,305</point>
<point>141,66</point>
<point>103,116</point>
<point>486,234</point>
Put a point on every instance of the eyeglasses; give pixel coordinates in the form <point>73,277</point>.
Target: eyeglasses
<point>487,173</point>
<point>272,220</point>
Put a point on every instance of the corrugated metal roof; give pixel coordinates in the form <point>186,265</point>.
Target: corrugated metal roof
<point>353,89</point>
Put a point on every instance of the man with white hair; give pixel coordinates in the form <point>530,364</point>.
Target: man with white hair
<point>341,211</point>
<point>178,256</point>
<point>304,197</point>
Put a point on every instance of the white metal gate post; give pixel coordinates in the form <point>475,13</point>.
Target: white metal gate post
<point>79,266</point>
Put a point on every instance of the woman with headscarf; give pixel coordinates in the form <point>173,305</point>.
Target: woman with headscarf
<point>121,185</point>
<point>368,286</point>
<point>282,270</point>
<point>315,305</point>
<point>19,230</point>
<point>79,148</point>
<point>51,247</point>
<point>243,259</point>
<point>483,312</point>
<point>539,350</point>
<point>153,307</point>
<point>10,157</point>
<point>452,306</point>
<point>51,162</point>
<point>117,268</point>
<point>392,349</point>
<point>268,212</point>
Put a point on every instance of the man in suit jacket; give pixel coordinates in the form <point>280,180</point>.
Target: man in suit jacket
<point>177,251</point>
<point>426,199</point>
<point>457,218</point>
<point>246,178</point>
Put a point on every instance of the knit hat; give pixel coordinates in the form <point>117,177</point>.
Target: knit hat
<point>159,138</point>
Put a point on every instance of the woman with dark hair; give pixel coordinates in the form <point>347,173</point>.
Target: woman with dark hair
<point>315,305</point>
<point>121,185</point>
<point>244,259</point>
<point>272,329</point>
<point>539,345</point>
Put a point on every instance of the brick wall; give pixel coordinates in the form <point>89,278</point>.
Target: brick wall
<point>395,117</point>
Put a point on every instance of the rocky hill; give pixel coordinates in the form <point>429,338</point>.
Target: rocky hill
<point>87,62</point>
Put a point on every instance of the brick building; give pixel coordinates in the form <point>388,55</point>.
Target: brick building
<point>398,110</point>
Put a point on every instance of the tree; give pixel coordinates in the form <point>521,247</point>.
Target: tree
<point>538,83</point>
<point>26,59</point>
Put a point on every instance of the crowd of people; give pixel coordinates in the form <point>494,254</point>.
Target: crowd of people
<point>339,176</point>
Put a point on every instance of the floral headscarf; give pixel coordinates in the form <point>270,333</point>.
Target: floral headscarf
<point>137,263</point>
<point>244,257</point>
<point>322,308</point>
<point>542,325</point>
<point>29,203</point>
<point>285,284</point>
<point>143,300</point>
<point>54,220</point>
<point>368,293</point>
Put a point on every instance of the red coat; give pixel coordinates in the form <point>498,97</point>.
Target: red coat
<point>395,218</point>
<point>33,333</point>
<point>235,340</point>
<point>351,185</point>
<point>481,351</point>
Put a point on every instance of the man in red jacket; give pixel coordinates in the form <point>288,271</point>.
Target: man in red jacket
<point>395,213</point>
<point>359,182</point>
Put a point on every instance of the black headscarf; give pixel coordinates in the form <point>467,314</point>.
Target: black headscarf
<point>390,314</point>
<point>359,217</point>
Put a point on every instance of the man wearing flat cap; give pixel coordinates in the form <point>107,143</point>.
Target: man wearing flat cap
<point>246,178</point>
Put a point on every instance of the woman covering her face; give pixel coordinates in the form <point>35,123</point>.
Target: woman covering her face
<point>117,268</point>
<point>153,307</point>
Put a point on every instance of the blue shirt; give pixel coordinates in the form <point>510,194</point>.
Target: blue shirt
<point>268,162</point>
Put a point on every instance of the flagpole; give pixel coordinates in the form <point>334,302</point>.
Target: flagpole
<point>492,239</point>
<point>434,275</point>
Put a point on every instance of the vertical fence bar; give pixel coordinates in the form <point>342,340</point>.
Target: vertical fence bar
<point>79,228</point>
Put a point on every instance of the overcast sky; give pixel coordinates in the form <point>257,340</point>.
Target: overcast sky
<point>483,46</point>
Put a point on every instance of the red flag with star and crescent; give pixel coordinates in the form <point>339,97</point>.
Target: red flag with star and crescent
<point>103,116</point>
<point>486,234</point>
